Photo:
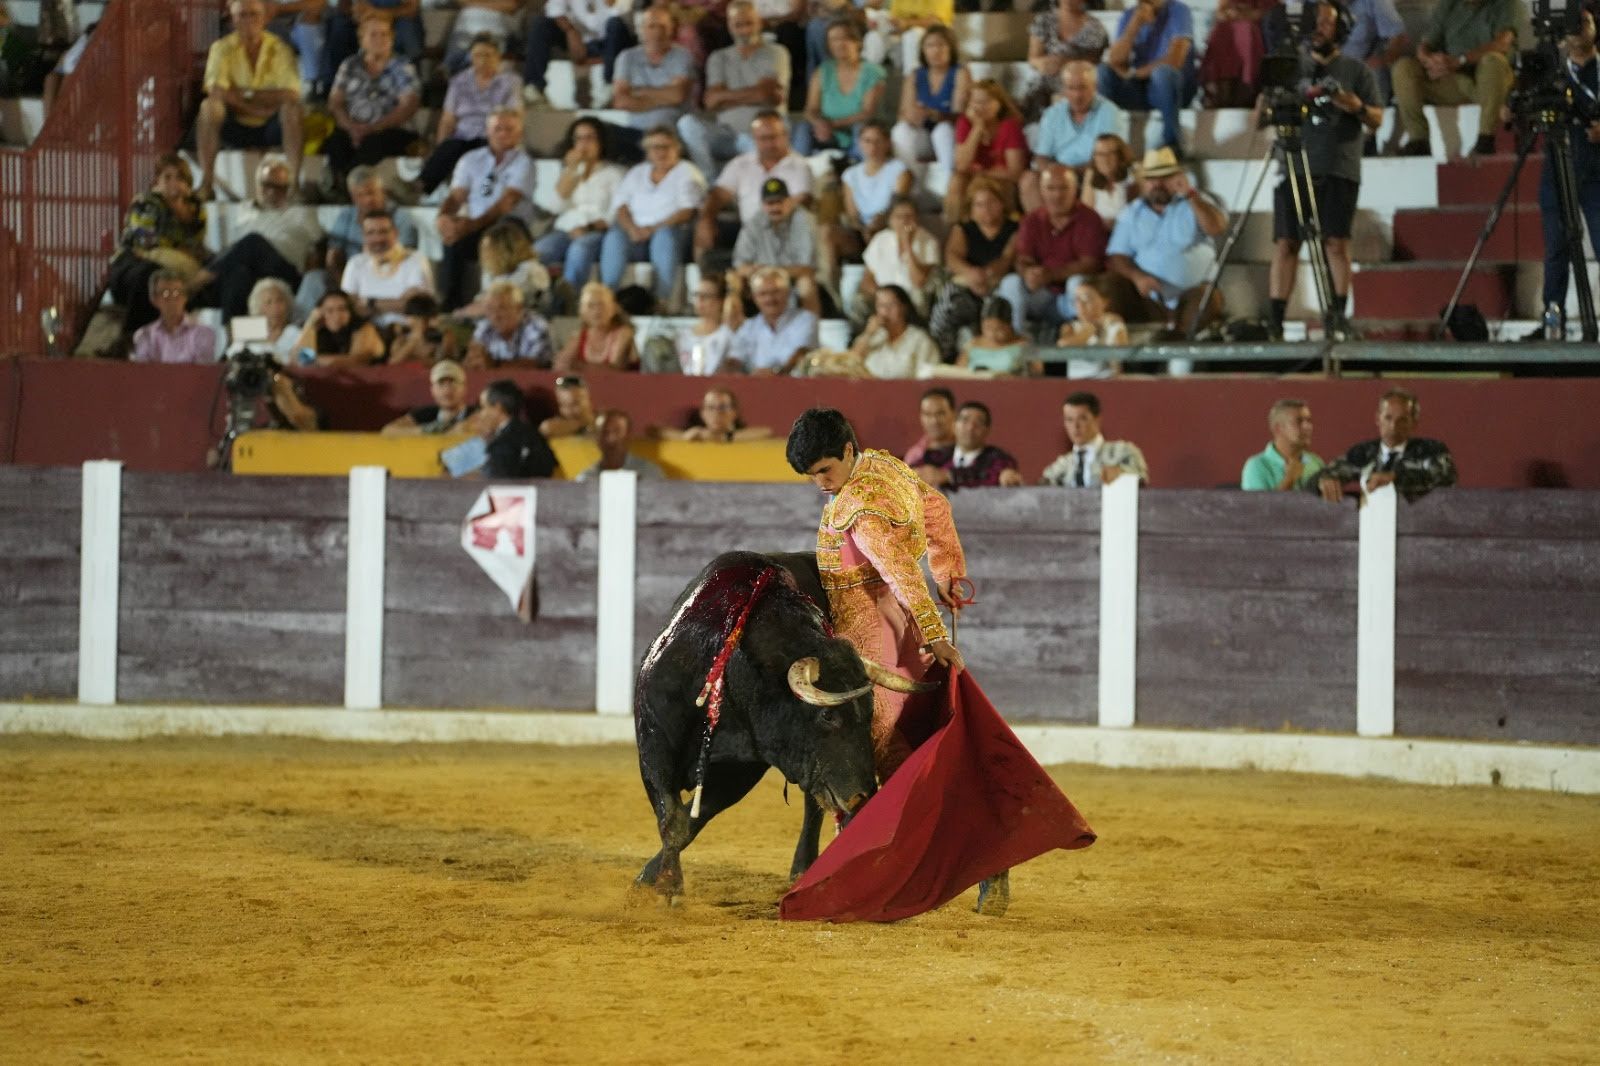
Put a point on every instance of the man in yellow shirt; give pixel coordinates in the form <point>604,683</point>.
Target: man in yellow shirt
<point>252,94</point>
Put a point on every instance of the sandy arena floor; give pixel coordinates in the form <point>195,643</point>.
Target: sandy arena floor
<point>288,901</point>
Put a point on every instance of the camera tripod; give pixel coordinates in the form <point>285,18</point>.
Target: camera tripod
<point>1303,196</point>
<point>1558,147</point>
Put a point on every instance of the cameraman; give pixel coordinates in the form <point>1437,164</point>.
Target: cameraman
<point>1345,109</point>
<point>1583,72</point>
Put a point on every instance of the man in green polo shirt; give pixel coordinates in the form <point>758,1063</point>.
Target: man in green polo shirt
<point>1287,463</point>
<point>1464,58</point>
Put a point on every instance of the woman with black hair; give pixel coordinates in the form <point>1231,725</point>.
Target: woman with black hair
<point>893,345</point>
<point>582,203</point>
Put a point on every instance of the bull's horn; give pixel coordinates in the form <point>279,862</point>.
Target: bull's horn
<point>803,683</point>
<point>882,675</point>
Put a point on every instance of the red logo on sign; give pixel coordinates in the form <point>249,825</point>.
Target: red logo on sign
<point>506,514</point>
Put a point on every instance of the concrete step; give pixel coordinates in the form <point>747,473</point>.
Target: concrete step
<point>1416,291</point>
<point>1449,233</point>
<point>1480,181</point>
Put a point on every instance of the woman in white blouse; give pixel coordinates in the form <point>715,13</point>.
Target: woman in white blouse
<point>1109,184</point>
<point>903,254</point>
<point>868,188</point>
<point>703,346</point>
<point>272,300</point>
<point>892,346</point>
<point>582,202</point>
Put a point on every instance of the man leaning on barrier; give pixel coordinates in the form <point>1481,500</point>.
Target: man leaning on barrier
<point>1288,463</point>
<point>1093,460</point>
<point>1415,466</point>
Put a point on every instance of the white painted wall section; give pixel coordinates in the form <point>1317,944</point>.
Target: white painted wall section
<point>98,579</point>
<point>1119,601</point>
<point>613,659</point>
<point>363,626</point>
<point>1375,615</point>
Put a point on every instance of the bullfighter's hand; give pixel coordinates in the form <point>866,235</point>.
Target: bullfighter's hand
<point>945,654</point>
<point>950,595</point>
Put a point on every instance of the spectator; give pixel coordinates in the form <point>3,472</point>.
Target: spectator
<point>740,183</point>
<point>276,240</point>
<point>936,410</point>
<point>1288,463</point>
<point>1230,68</point>
<point>702,28</point>
<point>300,23</point>
<point>509,332</point>
<point>651,210</point>
<point>447,413</point>
<point>1161,245</point>
<point>479,91</point>
<point>421,338</point>
<point>1464,58</point>
<point>989,141</point>
<point>613,432</point>
<point>587,30</point>
<point>252,94</point>
<point>998,348</point>
<point>507,255</point>
<point>164,229</point>
<point>702,348</point>
<point>1093,460</point>
<point>654,80</point>
<point>979,252</point>
<point>272,300</point>
<point>743,81</point>
<point>605,336</point>
<point>781,237</point>
<point>1151,67</point>
<point>1096,326</point>
<point>476,22</point>
<point>868,187</point>
<point>490,183</point>
<point>893,345</point>
<point>574,415</point>
<point>1060,34</point>
<point>932,97</point>
<point>1378,39</point>
<point>1333,156</point>
<point>718,422</point>
<point>380,279</point>
<point>367,194</point>
<point>584,191</point>
<point>907,23</point>
<point>375,94</point>
<point>1072,127</point>
<point>779,336</point>
<point>1108,185</point>
<point>844,92</point>
<point>974,462</point>
<point>1415,466</point>
<point>345,23</point>
<point>902,254</point>
<point>336,337</point>
<point>1056,246</point>
<point>172,338</point>
<point>515,449</point>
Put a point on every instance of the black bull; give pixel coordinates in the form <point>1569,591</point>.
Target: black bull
<point>767,719</point>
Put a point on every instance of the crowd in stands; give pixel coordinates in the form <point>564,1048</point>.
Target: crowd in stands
<point>756,144</point>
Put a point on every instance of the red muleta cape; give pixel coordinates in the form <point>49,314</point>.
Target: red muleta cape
<point>968,803</point>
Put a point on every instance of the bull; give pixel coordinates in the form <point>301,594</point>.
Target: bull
<point>796,699</point>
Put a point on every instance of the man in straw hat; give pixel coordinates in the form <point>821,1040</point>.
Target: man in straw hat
<point>1161,246</point>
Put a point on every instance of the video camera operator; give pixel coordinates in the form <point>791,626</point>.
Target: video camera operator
<point>1343,106</point>
<point>1582,70</point>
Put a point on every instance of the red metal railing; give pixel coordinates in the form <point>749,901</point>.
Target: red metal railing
<point>63,197</point>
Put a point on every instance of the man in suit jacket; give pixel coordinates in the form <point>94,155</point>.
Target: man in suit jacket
<point>1414,465</point>
<point>1093,460</point>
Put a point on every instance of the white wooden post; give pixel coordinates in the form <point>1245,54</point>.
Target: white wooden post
<point>613,643</point>
<point>1119,600</point>
<point>363,624</point>
<point>98,578</point>
<point>1375,615</point>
